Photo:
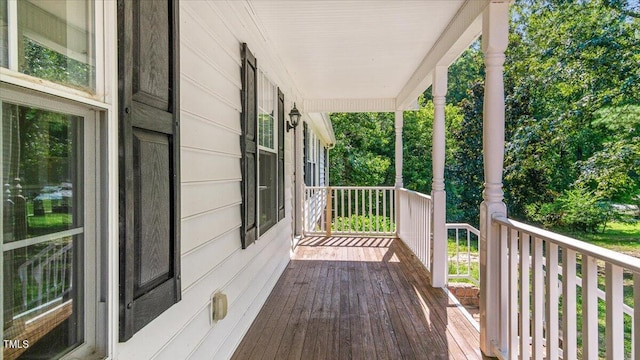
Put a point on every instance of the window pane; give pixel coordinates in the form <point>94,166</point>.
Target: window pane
<point>268,201</point>
<point>39,157</point>
<point>55,41</point>
<point>266,112</point>
<point>4,35</point>
<point>42,234</point>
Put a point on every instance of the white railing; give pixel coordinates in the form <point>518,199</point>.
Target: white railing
<point>415,223</point>
<point>47,276</point>
<point>314,210</point>
<point>464,262</point>
<point>541,305</point>
<point>350,211</point>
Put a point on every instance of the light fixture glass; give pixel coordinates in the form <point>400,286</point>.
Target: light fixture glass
<point>294,115</point>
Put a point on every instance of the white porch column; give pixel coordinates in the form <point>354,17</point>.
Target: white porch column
<point>439,265</point>
<point>299,176</point>
<point>495,35</point>
<point>399,123</point>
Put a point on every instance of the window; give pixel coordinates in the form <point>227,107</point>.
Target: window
<point>50,166</point>
<point>267,161</point>
<point>262,120</point>
<point>49,39</point>
<point>49,157</point>
<point>311,161</point>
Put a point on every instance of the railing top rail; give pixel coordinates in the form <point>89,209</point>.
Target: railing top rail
<point>600,253</point>
<point>416,193</point>
<point>352,187</point>
<point>463,226</point>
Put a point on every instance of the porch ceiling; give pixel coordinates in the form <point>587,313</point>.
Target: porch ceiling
<point>366,54</point>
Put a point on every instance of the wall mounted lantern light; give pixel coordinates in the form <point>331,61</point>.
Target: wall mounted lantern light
<point>295,118</point>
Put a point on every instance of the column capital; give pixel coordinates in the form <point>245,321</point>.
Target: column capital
<point>495,28</point>
<point>399,118</point>
<point>439,85</point>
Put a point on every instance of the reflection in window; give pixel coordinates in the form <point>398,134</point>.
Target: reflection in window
<point>42,230</point>
<point>55,41</point>
<point>268,201</point>
<point>267,197</point>
<point>4,35</point>
<point>266,122</point>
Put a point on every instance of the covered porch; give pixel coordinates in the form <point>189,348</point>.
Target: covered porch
<point>360,297</point>
<point>542,295</point>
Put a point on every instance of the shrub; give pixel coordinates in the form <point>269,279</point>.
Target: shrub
<point>582,210</point>
<point>578,209</point>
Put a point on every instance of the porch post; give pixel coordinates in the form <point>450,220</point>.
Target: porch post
<point>298,163</point>
<point>439,268</point>
<point>495,35</point>
<point>399,122</point>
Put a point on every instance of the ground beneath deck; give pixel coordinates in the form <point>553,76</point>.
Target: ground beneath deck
<point>358,298</point>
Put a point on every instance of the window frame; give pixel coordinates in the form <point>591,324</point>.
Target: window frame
<point>102,103</point>
<point>262,78</point>
<point>96,97</point>
<point>92,326</point>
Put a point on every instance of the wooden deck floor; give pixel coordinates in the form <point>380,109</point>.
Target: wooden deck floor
<point>357,298</point>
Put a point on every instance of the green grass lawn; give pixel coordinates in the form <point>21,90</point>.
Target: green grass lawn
<point>621,237</point>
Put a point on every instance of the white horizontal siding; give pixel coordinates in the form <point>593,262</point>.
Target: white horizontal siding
<point>200,134</point>
<point>209,107</point>
<point>200,165</point>
<point>200,229</point>
<point>212,258</point>
<point>200,198</point>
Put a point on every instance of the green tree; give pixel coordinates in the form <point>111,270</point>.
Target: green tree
<point>364,151</point>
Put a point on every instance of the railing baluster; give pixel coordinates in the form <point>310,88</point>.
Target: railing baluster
<point>391,201</point>
<point>384,210</point>
<point>504,288</point>
<point>538,301</point>
<point>377,210</point>
<point>468,254</point>
<point>364,214</point>
<point>342,213</point>
<point>356,208</point>
<point>552,313</point>
<point>457,252</point>
<point>421,230</point>
<point>589,307</point>
<point>525,307</point>
<point>428,230</point>
<point>513,295</point>
<point>635,339</point>
<point>569,300</point>
<point>615,319</point>
<point>370,211</point>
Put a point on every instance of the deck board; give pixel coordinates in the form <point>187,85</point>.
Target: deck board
<point>357,298</point>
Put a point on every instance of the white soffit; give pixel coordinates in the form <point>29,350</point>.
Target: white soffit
<point>353,49</point>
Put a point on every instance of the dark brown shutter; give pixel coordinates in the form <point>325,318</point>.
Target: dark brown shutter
<point>249,146</point>
<point>281,125</point>
<point>149,153</point>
